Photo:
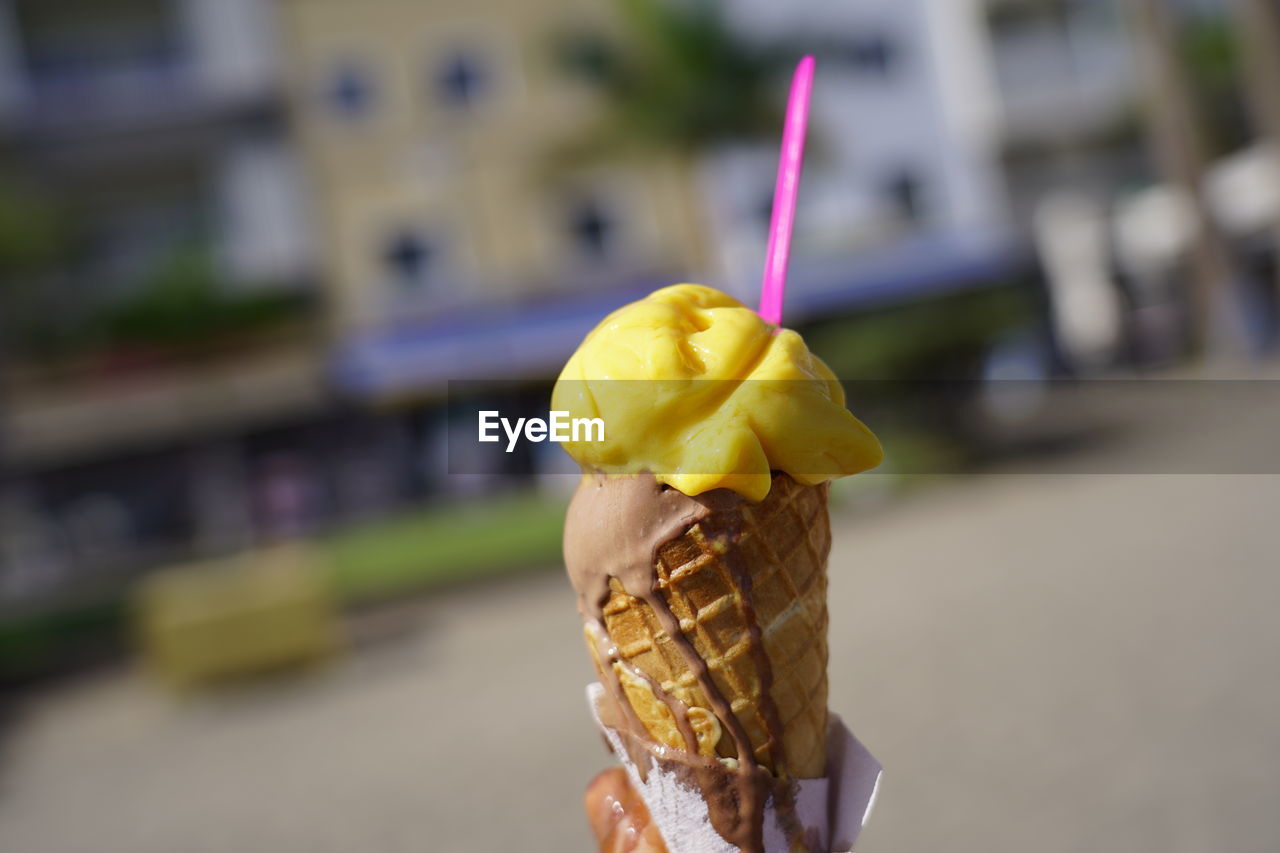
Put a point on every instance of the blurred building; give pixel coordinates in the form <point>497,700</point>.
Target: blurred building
<point>432,136</point>
<point>142,143</point>
<point>903,193</point>
<point>160,120</point>
<point>432,133</point>
<point>1070,96</point>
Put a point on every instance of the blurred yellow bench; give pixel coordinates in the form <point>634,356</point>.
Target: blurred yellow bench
<point>231,618</point>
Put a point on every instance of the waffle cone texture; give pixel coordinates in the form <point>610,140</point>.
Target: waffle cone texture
<point>781,546</point>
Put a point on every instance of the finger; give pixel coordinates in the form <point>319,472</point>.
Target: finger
<point>618,817</point>
<point>649,840</point>
<point>605,800</point>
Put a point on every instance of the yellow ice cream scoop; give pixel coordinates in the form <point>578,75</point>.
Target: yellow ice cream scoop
<point>694,387</point>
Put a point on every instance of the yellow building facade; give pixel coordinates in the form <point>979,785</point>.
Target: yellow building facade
<point>434,133</point>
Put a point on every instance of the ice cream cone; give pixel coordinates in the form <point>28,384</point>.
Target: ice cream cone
<point>697,545</point>
<point>748,584</point>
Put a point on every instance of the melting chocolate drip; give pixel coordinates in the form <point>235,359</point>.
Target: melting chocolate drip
<point>615,529</point>
<point>607,653</point>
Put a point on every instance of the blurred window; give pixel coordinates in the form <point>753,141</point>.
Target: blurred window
<point>409,259</point>
<point>92,44</point>
<point>462,80</point>
<point>350,90</point>
<point>763,213</point>
<point>870,53</point>
<point>1051,50</point>
<point>592,229</point>
<point>904,190</point>
<point>134,225</point>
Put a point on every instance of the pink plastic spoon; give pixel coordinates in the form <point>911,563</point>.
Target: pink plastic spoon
<point>790,162</point>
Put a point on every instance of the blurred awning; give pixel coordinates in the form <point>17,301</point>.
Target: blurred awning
<point>916,268</point>
<point>533,341</point>
<point>501,342</point>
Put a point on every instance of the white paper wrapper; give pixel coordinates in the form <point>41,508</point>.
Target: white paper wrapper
<point>836,807</point>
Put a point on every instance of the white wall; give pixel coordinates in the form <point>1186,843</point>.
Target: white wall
<point>265,235</point>
<point>234,44</point>
<point>966,103</point>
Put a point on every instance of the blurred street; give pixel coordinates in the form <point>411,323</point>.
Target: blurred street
<point>1045,662</point>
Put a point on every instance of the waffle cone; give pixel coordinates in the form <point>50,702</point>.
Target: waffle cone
<point>779,548</point>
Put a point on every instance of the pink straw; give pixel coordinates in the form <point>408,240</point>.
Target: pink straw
<point>784,193</point>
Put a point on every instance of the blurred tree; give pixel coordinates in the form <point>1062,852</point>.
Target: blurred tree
<point>32,233</point>
<point>676,81</point>
<point>185,302</point>
<point>1212,55</point>
<point>1258,30</point>
<point>35,236</point>
<point>1177,132</point>
<point>944,338</point>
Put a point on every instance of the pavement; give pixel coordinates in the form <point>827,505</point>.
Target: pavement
<point>1042,661</point>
